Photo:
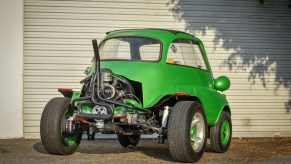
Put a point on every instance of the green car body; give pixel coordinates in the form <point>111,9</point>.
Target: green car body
<point>140,82</point>
<point>160,79</point>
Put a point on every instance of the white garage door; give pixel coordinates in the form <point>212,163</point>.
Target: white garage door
<point>249,43</point>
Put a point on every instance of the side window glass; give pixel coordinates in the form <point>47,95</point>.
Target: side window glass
<point>198,57</point>
<point>150,51</point>
<point>185,52</point>
<point>123,48</point>
<point>175,55</point>
<point>115,48</point>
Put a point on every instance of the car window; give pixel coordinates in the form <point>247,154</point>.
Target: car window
<point>130,48</point>
<point>116,49</point>
<point>149,51</point>
<point>186,52</point>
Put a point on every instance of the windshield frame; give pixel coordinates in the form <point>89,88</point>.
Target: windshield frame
<point>152,61</point>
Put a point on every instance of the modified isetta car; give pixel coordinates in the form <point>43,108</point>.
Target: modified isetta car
<point>144,81</point>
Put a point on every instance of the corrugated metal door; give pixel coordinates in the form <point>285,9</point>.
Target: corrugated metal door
<point>247,42</point>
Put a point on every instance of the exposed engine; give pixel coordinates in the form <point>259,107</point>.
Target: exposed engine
<point>111,104</point>
<point>114,87</point>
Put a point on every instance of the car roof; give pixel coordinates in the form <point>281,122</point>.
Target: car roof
<point>161,34</point>
<point>149,29</point>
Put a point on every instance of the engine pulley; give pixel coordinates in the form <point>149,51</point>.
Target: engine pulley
<point>108,92</point>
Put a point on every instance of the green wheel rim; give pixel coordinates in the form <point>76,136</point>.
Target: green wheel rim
<point>225,132</point>
<point>193,131</point>
<point>68,139</point>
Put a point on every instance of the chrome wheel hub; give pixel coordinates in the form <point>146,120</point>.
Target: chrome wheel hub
<point>197,132</point>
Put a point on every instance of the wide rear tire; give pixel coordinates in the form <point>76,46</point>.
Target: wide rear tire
<point>187,131</point>
<point>52,128</point>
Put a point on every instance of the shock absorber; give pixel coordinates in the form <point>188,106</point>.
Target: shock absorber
<point>163,136</point>
<point>70,125</point>
<point>91,132</point>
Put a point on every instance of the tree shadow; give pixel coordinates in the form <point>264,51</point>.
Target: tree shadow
<point>262,47</point>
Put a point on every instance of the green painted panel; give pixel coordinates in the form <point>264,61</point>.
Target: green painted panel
<point>160,79</point>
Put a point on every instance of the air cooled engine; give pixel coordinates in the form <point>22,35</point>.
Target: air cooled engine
<point>114,87</point>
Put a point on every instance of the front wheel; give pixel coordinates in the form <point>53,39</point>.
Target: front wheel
<point>220,134</point>
<point>187,131</point>
<point>52,128</point>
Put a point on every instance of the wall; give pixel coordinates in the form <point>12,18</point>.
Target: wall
<point>247,42</point>
<point>11,68</point>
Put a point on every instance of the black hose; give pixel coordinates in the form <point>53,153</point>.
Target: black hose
<point>97,56</point>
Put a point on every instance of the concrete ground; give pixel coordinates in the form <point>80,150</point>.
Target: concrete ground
<point>259,150</point>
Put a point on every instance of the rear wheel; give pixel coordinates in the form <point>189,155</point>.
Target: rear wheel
<point>128,140</point>
<point>187,131</point>
<point>52,128</point>
<point>220,134</point>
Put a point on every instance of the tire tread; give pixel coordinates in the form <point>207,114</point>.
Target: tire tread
<point>50,124</point>
<point>215,143</point>
<point>178,132</point>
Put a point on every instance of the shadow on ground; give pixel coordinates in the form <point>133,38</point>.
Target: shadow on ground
<point>148,151</point>
<point>108,147</point>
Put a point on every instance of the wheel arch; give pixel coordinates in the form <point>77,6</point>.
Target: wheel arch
<point>226,108</point>
<point>173,99</point>
<point>192,98</point>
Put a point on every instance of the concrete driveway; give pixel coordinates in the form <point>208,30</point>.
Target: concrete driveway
<point>257,150</point>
